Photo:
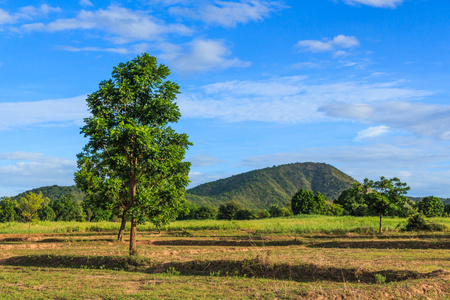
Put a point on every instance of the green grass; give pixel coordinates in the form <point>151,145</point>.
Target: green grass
<point>296,224</point>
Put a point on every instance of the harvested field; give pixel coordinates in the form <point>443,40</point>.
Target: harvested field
<point>231,264</point>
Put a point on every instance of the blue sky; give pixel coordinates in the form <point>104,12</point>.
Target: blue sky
<point>362,85</point>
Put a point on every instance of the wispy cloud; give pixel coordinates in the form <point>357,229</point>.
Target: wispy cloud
<point>204,160</point>
<point>59,111</point>
<point>123,25</point>
<point>199,56</point>
<point>419,118</point>
<point>85,3</point>
<point>375,3</point>
<point>226,13</point>
<point>291,100</point>
<point>31,170</point>
<point>26,13</point>
<point>338,42</point>
<point>372,132</point>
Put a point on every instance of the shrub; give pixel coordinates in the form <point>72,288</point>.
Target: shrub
<point>244,214</point>
<point>228,210</point>
<point>431,206</point>
<point>418,222</point>
<point>263,214</point>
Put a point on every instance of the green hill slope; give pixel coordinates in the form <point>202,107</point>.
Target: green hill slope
<point>54,192</point>
<point>276,185</point>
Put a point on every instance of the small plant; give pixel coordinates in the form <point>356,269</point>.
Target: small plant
<point>171,271</point>
<point>379,279</point>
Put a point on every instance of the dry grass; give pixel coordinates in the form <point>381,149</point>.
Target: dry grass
<point>231,264</point>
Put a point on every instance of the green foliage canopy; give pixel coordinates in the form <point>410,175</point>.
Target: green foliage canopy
<point>306,202</point>
<point>431,206</point>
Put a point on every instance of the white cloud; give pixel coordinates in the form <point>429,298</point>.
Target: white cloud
<point>85,3</point>
<point>123,24</point>
<point>204,160</point>
<point>372,132</point>
<point>338,42</point>
<point>20,114</point>
<point>94,49</point>
<point>419,118</point>
<point>228,13</point>
<point>290,100</point>
<point>5,17</point>
<point>376,3</point>
<point>33,170</point>
<point>26,13</point>
<point>202,55</point>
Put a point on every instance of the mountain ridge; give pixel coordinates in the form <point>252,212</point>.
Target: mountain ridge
<point>273,185</point>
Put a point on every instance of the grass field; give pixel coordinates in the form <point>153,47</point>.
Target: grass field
<point>307,257</point>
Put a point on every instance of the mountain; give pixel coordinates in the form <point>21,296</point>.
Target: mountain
<point>54,192</point>
<point>259,189</point>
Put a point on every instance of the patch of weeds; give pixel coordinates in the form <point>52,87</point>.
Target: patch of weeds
<point>379,279</point>
<point>171,271</point>
<point>365,230</point>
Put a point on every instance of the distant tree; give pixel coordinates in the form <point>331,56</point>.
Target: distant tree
<point>431,206</point>
<point>29,206</point>
<point>67,209</point>
<point>447,209</point>
<point>385,197</point>
<point>204,212</point>
<point>352,200</point>
<point>227,210</point>
<point>306,202</point>
<point>286,212</point>
<point>130,139</point>
<point>302,202</point>
<point>334,209</point>
<point>320,204</point>
<point>244,214</point>
<point>46,213</point>
<point>8,210</point>
<point>275,211</point>
<point>263,214</point>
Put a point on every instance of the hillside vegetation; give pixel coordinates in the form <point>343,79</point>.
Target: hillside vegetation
<point>54,192</point>
<point>259,189</point>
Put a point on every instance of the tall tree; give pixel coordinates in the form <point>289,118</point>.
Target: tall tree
<point>131,142</point>
<point>29,206</point>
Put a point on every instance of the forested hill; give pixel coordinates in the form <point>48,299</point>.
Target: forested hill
<point>54,192</point>
<point>276,185</point>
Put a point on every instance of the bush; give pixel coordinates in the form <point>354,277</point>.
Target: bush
<point>334,209</point>
<point>431,206</point>
<point>306,202</point>
<point>418,222</point>
<point>263,214</point>
<point>275,211</point>
<point>244,214</point>
<point>205,212</point>
<point>228,210</point>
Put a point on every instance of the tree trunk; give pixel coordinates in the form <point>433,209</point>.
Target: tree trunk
<point>29,230</point>
<point>122,227</point>
<point>133,250</point>
<point>381,219</point>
